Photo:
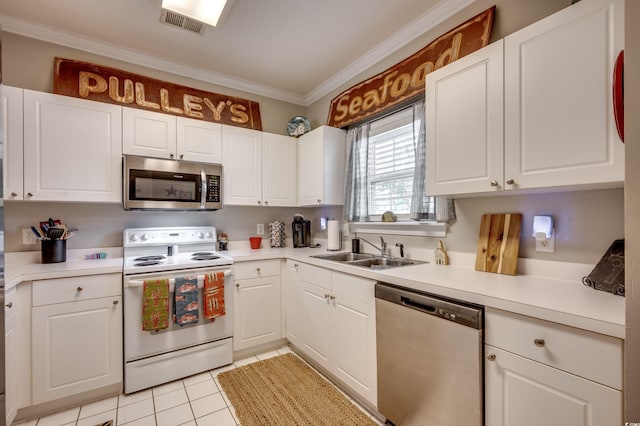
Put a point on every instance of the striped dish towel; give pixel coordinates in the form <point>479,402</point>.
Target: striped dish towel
<point>213,295</point>
<point>155,304</point>
<point>185,301</point>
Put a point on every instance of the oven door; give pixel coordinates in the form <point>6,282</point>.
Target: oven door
<point>140,344</point>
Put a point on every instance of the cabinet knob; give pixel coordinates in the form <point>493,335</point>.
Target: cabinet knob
<point>332,297</point>
<point>79,289</point>
<point>237,285</point>
<point>9,305</point>
<point>538,342</point>
<point>491,357</point>
<point>510,181</point>
<point>259,202</point>
<point>319,200</point>
<point>181,156</point>
<point>13,194</point>
<point>494,183</point>
<point>115,302</point>
<point>258,269</point>
<point>171,155</point>
<point>326,296</point>
<point>29,194</point>
<point>266,203</point>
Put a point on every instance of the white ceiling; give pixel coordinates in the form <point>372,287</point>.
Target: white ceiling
<point>292,50</point>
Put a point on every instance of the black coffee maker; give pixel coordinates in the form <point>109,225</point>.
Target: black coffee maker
<point>301,231</point>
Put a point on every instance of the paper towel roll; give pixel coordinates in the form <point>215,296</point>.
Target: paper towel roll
<point>334,242</point>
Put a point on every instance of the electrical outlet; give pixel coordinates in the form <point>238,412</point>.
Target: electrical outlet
<point>260,229</point>
<point>28,238</point>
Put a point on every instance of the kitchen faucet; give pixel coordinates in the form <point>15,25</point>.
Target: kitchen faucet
<point>382,248</point>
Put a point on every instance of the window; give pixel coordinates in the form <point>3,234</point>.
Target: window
<point>391,165</point>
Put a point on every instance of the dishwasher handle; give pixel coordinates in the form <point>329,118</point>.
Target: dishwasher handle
<point>417,305</point>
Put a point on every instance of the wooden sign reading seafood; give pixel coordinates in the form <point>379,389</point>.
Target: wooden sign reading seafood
<point>103,84</point>
<point>406,79</point>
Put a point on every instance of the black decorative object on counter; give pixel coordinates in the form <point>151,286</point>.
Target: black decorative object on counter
<point>608,274</point>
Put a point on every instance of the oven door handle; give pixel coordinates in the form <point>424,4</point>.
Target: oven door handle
<point>172,281</point>
<point>203,189</point>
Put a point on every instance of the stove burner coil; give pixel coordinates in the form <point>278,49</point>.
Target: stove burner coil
<point>205,257</point>
<point>203,253</point>
<point>148,263</point>
<point>146,258</point>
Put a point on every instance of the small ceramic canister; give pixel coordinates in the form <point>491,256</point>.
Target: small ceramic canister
<point>276,234</point>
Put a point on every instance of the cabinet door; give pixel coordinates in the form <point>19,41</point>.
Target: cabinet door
<point>354,341</point>
<point>317,328</point>
<point>11,135</point>
<point>199,140</point>
<point>521,392</point>
<point>72,149</point>
<point>310,169</point>
<point>77,347</point>
<point>11,355</point>
<point>559,125</point>
<point>257,312</point>
<point>242,166</point>
<point>279,175</point>
<point>148,133</point>
<point>464,124</point>
<point>293,309</point>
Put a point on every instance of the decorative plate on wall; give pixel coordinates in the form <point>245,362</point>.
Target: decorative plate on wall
<point>298,126</point>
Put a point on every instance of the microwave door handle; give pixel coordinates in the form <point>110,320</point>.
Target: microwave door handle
<point>203,189</point>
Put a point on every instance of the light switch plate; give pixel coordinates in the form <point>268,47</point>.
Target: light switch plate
<point>260,229</point>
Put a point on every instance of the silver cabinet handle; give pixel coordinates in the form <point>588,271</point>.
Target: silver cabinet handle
<point>491,357</point>
<point>115,302</point>
<point>538,342</point>
<point>79,289</point>
<point>9,305</point>
<point>494,183</point>
<point>510,181</point>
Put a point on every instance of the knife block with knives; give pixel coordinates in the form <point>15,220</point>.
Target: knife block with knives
<point>499,243</point>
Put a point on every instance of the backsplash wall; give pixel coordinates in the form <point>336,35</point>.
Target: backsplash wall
<point>586,222</point>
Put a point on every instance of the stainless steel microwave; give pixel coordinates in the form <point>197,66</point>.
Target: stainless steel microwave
<point>157,184</point>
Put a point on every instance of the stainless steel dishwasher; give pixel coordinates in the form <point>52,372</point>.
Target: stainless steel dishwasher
<point>430,369</point>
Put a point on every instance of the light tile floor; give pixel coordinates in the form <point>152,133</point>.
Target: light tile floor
<point>196,400</point>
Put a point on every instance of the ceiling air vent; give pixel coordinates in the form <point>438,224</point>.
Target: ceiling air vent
<point>181,21</point>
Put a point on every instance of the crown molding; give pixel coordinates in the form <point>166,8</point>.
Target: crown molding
<point>63,38</point>
<point>443,10</point>
<point>419,26</point>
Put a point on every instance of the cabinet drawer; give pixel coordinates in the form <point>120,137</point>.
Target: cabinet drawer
<point>315,275</point>
<point>263,268</point>
<point>590,355</point>
<point>70,289</point>
<point>359,288</point>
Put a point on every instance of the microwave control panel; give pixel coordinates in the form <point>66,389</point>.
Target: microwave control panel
<point>213,189</point>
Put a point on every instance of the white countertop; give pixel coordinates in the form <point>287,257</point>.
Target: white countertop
<point>560,298</point>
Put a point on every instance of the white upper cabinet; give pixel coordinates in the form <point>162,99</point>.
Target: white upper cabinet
<point>465,124</point>
<point>12,137</point>
<point>153,134</point>
<point>259,168</point>
<point>555,127</point>
<point>559,123</point>
<point>72,149</point>
<point>242,166</point>
<point>321,167</point>
<point>279,170</point>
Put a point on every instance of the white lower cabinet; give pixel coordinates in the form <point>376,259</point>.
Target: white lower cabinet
<point>336,325</point>
<point>258,314</point>
<point>76,335</point>
<point>11,354</point>
<point>542,373</point>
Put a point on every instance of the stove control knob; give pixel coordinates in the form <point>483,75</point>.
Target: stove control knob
<point>134,237</point>
<point>208,235</point>
<point>144,237</point>
<point>200,235</point>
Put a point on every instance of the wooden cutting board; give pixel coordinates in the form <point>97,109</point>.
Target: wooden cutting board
<point>499,243</point>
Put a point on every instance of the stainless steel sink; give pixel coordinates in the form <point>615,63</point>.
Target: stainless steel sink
<point>366,260</point>
<point>344,257</point>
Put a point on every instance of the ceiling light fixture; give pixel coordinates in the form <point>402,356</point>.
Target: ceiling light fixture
<point>208,11</point>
